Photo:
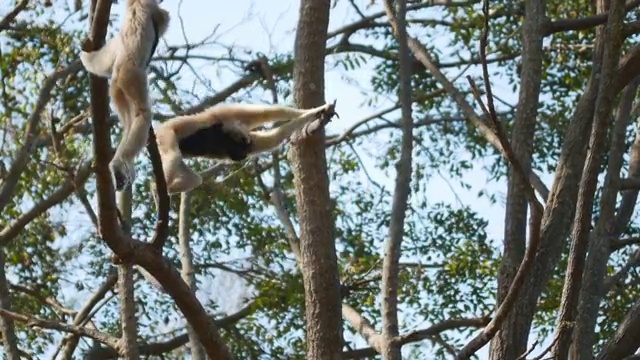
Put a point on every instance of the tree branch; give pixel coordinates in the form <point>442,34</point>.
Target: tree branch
<point>626,339</point>
<point>70,342</point>
<point>54,325</point>
<point>187,271</point>
<point>33,125</point>
<point>415,336</point>
<point>391,268</point>
<point>61,194</point>
<point>7,328</point>
<point>8,19</point>
<point>159,348</point>
<point>598,249</point>
<point>584,23</point>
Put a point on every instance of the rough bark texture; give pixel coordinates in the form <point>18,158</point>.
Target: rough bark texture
<point>581,228</point>
<point>129,345</point>
<point>128,320</point>
<point>556,221</point>
<point>510,344</point>
<point>7,332</point>
<point>390,269</point>
<point>626,339</point>
<point>596,264</point>
<point>187,272</point>
<point>309,166</point>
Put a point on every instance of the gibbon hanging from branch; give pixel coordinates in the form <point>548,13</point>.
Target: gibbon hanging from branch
<point>225,132</point>
<point>125,59</point>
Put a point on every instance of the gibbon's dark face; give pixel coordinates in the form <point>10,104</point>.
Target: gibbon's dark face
<point>216,142</point>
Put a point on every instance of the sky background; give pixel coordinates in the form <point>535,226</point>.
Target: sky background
<point>268,26</point>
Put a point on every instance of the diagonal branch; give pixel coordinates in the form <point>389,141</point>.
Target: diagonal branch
<point>31,321</point>
<point>8,19</point>
<point>71,342</point>
<point>62,193</point>
<point>164,347</point>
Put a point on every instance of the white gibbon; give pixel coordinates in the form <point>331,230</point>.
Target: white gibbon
<point>125,59</point>
<point>225,132</point>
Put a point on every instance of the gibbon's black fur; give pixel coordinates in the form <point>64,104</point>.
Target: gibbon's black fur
<point>215,142</point>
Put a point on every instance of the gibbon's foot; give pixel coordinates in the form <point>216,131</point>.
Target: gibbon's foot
<point>186,180</point>
<point>323,117</point>
<point>122,174</point>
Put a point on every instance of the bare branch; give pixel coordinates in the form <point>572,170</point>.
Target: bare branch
<point>626,339</point>
<point>621,243</point>
<point>61,194</point>
<point>47,300</point>
<point>8,19</point>
<point>163,202</point>
<point>429,333</point>
<point>163,347</point>
<point>187,271</point>
<point>54,325</point>
<point>391,268</point>
<point>520,171</point>
<point>70,342</point>
<point>586,22</point>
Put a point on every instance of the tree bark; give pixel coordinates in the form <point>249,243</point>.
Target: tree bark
<point>187,271</point>
<point>560,207</point>
<point>128,320</point>
<point>7,330</point>
<point>510,344</point>
<point>390,269</point>
<point>599,248</point>
<point>309,167</point>
<point>626,339</point>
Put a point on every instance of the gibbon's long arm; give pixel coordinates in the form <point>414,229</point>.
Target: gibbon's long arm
<point>224,133</point>
<point>100,62</point>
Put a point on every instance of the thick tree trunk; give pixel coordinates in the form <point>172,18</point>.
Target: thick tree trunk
<point>309,166</point>
<point>510,344</point>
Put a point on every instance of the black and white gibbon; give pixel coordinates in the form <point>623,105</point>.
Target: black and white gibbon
<point>227,132</point>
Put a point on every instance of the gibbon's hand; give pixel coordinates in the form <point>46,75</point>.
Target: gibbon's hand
<point>87,45</point>
<point>323,118</point>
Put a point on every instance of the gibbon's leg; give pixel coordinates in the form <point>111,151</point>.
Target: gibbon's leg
<point>179,176</point>
<point>130,85</point>
<point>100,62</point>
<point>254,115</point>
<point>268,140</point>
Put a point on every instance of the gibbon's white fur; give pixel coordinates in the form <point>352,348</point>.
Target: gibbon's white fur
<point>125,58</point>
<point>224,132</point>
